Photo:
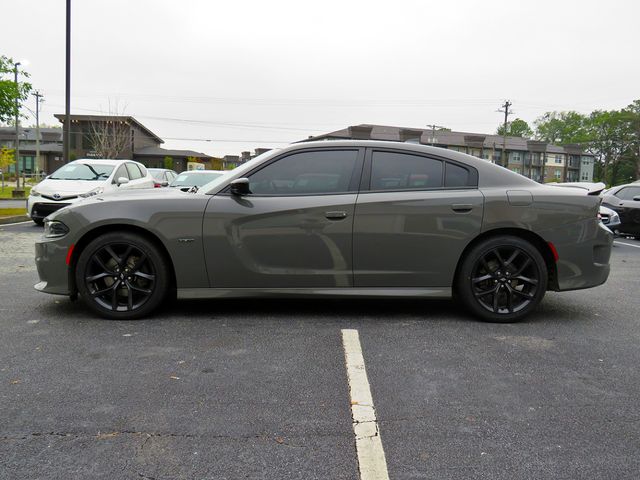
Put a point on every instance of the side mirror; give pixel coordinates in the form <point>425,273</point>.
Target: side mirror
<point>165,184</point>
<point>240,186</point>
<point>122,181</point>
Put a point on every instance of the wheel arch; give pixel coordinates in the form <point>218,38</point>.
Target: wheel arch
<point>534,239</point>
<point>82,243</point>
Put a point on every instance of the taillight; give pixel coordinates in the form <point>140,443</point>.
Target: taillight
<point>157,185</point>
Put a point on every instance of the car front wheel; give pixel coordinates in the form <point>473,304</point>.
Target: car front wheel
<point>502,279</point>
<point>122,276</point>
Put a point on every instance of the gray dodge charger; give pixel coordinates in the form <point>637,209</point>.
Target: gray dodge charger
<point>332,219</point>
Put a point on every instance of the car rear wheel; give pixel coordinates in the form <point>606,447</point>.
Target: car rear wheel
<point>502,279</point>
<point>122,276</point>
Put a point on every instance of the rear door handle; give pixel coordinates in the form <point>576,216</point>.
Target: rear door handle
<point>336,215</point>
<point>461,207</point>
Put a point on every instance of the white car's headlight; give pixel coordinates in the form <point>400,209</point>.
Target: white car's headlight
<point>91,193</point>
<point>34,192</point>
<point>55,229</point>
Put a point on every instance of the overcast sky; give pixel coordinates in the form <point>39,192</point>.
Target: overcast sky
<point>225,76</point>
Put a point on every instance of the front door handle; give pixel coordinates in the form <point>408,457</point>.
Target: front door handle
<point>337,215</point>
<point>461,207</point>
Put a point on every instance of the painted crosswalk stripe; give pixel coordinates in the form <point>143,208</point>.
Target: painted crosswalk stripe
<point>371,459</point>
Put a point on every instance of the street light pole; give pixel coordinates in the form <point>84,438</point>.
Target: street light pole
<point>38,96</point>
<point>17,107</point>
<point>67,109</point>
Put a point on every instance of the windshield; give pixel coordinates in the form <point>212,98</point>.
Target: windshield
<point>195,179</point>
<point>245,167</point>
<point>83,171</point>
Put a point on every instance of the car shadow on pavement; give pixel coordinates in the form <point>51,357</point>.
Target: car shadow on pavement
<point>554,309</point>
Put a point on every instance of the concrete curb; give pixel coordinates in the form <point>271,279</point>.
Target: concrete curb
<point>13,219</point>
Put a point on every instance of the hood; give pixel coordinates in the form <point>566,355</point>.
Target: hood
<point>140,193</point>
<point>68,187</point>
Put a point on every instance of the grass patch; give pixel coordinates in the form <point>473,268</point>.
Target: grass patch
<point>6,193</point>
<point>8,212</point>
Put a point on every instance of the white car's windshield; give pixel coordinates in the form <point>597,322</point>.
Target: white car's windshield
<point>83,171</point>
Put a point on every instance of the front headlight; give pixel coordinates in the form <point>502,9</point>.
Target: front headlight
<point>614,218</point>
<point>55,229</point>
<point>34,192</point>
<point>91,193</point>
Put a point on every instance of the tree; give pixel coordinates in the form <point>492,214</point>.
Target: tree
<point>517,128</point>
<point>632,116</point>
<point>168,162</point>
<point>7,158</point>
<point>610,139</point>
<point>108,138</point>
<point>562,128</point>
<point>8,91</point>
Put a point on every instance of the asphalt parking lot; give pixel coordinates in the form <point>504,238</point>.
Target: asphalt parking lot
<point>258,389</point>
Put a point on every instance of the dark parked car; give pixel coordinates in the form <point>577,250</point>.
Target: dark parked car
<point>333,219</point>
<point>625,201</point>
<point>162,177</point>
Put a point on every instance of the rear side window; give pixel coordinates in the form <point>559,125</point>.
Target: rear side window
<point>456,176</point>
<point>134,171</point>
<point>401,171</point>
<point>306,173</point>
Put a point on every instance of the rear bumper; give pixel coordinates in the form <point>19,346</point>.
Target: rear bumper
<point>584,249</point>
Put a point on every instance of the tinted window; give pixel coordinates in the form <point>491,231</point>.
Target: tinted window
<point>134,171</point>
<point>306,173</point>
<point>456,176</point>
<point>627,193</point>
<point>401,171</point>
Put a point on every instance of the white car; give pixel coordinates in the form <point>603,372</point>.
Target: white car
<point>81,179</point>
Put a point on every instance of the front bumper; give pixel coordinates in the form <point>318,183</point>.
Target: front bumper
<point>51,255</point>
<point>40,207</point>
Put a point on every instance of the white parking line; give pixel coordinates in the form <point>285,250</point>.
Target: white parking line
<point>627,244</point>
<point>17,223</point>
<point>371,459</point>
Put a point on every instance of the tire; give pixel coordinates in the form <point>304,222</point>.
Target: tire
<point>502,279</point>
<point>38,221</point>
<point>122,276</point>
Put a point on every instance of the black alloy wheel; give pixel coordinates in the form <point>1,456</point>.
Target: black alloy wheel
<point>503,279</point>
<point>122,276</point>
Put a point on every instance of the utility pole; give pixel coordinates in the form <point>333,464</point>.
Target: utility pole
<point>505,109</point>
<point>67,91</point>
<point>17,119</point>
<point>433,132</point>
<point>39,98</point>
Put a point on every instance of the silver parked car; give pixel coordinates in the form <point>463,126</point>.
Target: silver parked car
<point>333,219</point>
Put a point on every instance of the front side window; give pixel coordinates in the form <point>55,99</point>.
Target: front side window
<point>401,171</point>
<point>120,173</point>
<point>306,173</point>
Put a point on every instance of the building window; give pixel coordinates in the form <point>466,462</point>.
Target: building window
<point>515,157</point>
<point>558,174</point>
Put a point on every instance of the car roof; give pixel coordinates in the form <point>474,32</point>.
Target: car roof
<point>102,161</point>
<point>202,171</point>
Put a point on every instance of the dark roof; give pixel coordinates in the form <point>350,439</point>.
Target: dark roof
<point>442,137</point>
<point>163,152</point>
<point>120,118</point>
<point>29,133</point>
